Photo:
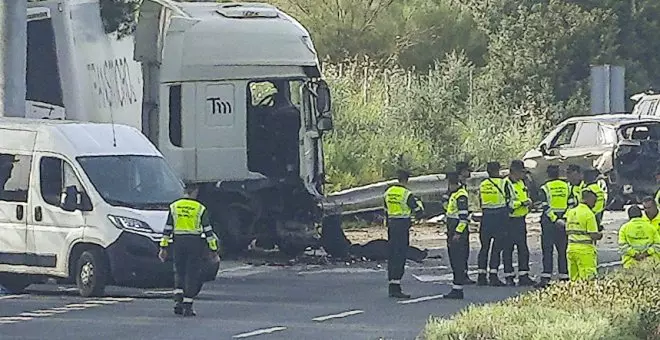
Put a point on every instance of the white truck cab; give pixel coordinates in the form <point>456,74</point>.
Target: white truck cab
<point>85,202</point>
<point>230,93</point>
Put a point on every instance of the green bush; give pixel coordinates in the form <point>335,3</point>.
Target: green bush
<point>624,304</point>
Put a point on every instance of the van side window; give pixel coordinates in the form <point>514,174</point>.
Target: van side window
<point>56,175</point>
<point>14,177</point>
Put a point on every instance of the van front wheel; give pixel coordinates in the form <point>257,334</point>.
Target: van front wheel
<point>91,273</point>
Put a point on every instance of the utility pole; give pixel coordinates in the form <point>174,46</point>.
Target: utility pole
<point>13,47</point>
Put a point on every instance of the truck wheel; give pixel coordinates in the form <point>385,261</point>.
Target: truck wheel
<point>14,283</point>
<point>91,273</point>
<point>230,230</point>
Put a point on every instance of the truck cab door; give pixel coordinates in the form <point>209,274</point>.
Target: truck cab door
<point>51,229</point>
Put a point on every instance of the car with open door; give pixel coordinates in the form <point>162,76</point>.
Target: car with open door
<point>623,147</point>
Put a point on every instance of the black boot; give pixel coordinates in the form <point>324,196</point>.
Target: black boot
<point>542,283</point>
<point>481,280</point>
<point>510,282</point>
<point>395,292</point>
<point>178,308</point>
<point>188,310</point>
<point>524,280</point>
<point>495,281</point>
<point>454,294</point>
<point>178,304</point>
<point>468,281</point>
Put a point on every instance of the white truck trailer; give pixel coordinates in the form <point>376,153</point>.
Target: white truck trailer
<point>230,93</point>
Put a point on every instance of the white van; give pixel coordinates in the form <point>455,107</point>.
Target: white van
<point>84,202</point>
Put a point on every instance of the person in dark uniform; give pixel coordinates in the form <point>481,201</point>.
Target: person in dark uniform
<point>464,171</point>
<point>495,218</point>
<point>555,195</point>
<point>458,234</point>
<point>186,222</point>
<point>400,205</point>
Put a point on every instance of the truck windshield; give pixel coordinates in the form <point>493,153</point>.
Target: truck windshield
<point>138,182</point>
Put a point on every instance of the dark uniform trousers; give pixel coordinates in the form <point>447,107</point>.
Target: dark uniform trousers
<point>188,255</point>
<point>516,235</point>
<point>493,223</point>
<point>398,232</point>
<point>458,251</point>
<point>553,237</point>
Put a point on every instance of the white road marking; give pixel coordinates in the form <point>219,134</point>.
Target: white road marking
<point>55,311</point>
<point>259,332</point>
<point>7,297</point>
<point>102,302</point>
<point>83,305</point>
<point>65,289</point>
<point>244,271</point>
<point>118,299</point>
<point>7,322</point>
<point>342,271</point>
<point>159,292</point>
<point>337,316</point>
<point>15,318</point>
<point>33,314</point>
<point>420,299</point>
<point>66,309</point>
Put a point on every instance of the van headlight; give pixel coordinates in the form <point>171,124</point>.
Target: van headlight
<point>122,222</point>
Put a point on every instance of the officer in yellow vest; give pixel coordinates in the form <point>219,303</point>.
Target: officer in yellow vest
<point>186,222</point>
<point>554,197</point>
<point>582,231</point>
<point>519,203</point>
<point>638,239</point>
<point>400,206</point>
<point>575,179</point>
<point>464,170</point>
<point>493,221</point>
<point>592,183</point>
<point>458,234</point>
<point>651,212</point>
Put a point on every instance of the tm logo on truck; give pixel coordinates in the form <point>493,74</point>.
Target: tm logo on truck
<point>219,106</point>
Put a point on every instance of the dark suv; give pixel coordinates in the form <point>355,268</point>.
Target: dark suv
<point>625,148</point>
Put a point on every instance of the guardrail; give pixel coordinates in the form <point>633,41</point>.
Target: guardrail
<point>430,188</point>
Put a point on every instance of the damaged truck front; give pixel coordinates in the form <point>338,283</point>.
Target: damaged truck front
<point>632,163</point>
<point>230,93</point>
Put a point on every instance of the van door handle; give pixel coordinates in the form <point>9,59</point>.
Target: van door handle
<point>20,212</point>
<point>37,214</point>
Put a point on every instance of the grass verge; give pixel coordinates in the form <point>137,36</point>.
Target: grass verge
<point>624,304</point>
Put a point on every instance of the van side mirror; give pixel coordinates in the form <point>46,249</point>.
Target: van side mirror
<point>69,201</point>
<point>324,124</point>
<point>323,99</point>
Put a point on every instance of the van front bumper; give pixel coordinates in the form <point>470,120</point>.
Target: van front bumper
<point>134,262</point>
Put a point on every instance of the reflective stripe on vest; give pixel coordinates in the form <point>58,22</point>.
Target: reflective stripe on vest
<point>576,224</point>
<point>600,197</point>
<point>491,193</point>
<point>396,202</point>
<point>187,217</point>
<point>639,234</point>
<point>557,193</point>
<point>521,195</point>
<point>452,205</point>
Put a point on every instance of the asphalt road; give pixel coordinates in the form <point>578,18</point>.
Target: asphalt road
<point>296,302</point>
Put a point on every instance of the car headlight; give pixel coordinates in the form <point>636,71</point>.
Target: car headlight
<point>122,222</point>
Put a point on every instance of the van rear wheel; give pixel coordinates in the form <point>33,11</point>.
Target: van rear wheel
<point>91,273</point>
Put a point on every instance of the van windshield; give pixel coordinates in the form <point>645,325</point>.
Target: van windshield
<point>138,182</point>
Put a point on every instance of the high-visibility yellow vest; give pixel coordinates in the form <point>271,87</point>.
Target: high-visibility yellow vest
<point>600,197</point>
<point>655,221</point>
<point>580,223</point>
<point>635,237</point>
<point>576,192</point>
<point>557,193</point>
<point>520,196</point>
<point>396,202</point>
<point>491,193</point>
<point>187,217</point>
<point>453,210</point>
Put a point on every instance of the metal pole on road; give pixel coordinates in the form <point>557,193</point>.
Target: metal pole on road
<point>13,46</point>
